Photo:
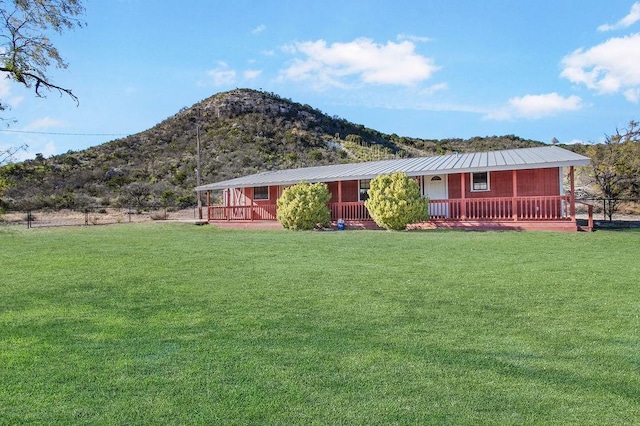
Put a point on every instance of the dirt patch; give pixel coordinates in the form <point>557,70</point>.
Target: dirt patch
<point>102,216</point>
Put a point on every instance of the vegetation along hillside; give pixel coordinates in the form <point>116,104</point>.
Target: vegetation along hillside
<point>241,132</point>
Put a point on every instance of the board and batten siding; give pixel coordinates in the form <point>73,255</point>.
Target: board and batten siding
<point>531,182</point>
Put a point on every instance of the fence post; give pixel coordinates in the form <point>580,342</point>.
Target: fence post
<point>29,219</point>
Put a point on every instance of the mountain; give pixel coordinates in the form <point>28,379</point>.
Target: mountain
<point>241,132</point>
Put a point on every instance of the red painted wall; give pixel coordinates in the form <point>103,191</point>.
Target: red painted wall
<point>530,182</point>
<point>273,196</point>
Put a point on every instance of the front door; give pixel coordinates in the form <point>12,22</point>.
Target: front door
<point>435,187</point>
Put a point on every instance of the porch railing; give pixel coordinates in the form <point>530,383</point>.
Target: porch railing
<point>495,208</point>
<point>349,211</point>
<point>263,212</point>
<point>502,208</point>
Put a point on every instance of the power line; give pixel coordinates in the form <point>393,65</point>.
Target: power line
<point>62,134</point>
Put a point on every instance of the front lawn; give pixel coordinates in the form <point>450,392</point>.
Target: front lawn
<point>178,324</point>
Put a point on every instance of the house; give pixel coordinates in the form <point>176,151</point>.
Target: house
<point>529,188</point>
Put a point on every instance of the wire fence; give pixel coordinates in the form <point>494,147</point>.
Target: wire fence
<point>90,216</point>
<point>625,207</point>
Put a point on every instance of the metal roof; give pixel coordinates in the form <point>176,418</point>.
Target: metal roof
<point>510,159</point>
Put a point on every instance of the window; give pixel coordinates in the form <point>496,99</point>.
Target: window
<point>480,181</point>
<point>364,187</point>
<point>261,193</point>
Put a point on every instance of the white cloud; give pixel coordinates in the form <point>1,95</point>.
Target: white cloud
<point>222,75</point>
<point>431,90</point>
<point>362,60</point>
<point>7,98</point>
<point>43,124</point>
<point>252,74</point>
<point>259,29</point>
<point>627,21</point>
<point>632,95</point>
<point>536,106</point>
<point>414,38</point>
<point>5,86</point>
<point>608,67</point>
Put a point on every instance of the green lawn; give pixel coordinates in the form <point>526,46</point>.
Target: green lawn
<point>178,324</point>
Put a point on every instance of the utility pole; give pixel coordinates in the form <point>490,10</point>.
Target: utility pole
<point>198,169</point>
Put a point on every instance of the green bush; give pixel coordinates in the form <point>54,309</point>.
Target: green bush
<point>303,206</point>
<point>395,201</point>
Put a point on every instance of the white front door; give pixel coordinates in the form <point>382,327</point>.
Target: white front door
<point>435,187</point>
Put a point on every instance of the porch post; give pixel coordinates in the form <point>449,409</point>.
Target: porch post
<point>514,202</point>
<point>339,209</point>
<point>208,205</point>
<point>572,196</point>
<point>463,196</point>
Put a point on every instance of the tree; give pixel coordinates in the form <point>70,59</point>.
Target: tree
<point>395,201</point>
<point>304,206</point>
<point>137,193</point>
<point>26,53</point>
<point>7,154</point>
<point>615,168</point>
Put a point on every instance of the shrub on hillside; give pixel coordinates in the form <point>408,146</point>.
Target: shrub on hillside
<point>395,201</point>
<point>303,206</point>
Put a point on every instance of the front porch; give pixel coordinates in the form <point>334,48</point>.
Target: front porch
<point>516,213</point>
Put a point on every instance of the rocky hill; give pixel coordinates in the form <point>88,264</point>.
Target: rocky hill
<point>241,132</point>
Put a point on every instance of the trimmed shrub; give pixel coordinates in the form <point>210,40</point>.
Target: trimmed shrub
<point>395,201</point>
<point>303,206</point>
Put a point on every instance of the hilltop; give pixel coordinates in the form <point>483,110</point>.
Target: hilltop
<point>241,132</point>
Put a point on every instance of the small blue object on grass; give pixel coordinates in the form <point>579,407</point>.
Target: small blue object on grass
<point>340,225</point>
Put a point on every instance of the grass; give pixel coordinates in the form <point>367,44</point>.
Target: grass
<point>177,324</point>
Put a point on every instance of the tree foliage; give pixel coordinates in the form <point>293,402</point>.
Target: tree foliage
<point>615,167</point>
<point>26,53</point>
<point>304,206</point>
<point>395,201</point>
<point>7,154</point>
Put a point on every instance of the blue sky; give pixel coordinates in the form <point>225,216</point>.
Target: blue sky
<point>429,69</point>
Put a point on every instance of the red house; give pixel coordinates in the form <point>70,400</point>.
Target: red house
<point>529,188</point>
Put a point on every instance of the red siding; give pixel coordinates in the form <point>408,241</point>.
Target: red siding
<point>333,190</point>
<point>349,191</point>
<point>530,182</point>
<point>273,196</point>
<point>538,182</point>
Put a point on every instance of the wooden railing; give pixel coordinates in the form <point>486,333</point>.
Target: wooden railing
<point>263,212</point>
<point>349,211</point>
<point>589,214</point>
<point>501,208</point>
<point>495,208</point>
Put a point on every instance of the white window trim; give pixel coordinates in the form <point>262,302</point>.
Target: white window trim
<point>480,190</point>
<point>261,199</point>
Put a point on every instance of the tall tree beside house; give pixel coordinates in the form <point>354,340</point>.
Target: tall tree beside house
<point>395,201</point>
<point>615,167</point>
<point>26,53</point>
<point>304,206</point>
